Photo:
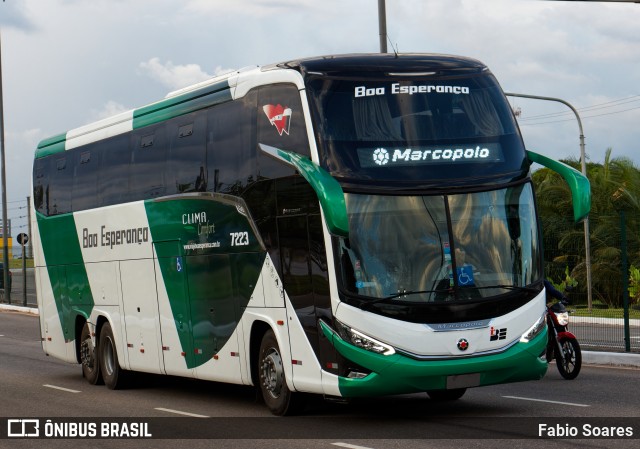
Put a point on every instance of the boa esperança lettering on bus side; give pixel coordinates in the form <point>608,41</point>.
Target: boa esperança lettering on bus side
<point>110,238</point>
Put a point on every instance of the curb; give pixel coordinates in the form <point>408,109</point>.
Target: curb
<point>611,358</point>
<point>12,308</point>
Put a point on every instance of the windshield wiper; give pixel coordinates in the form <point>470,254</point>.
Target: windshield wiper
<point>373,301</point>
<point>416,292</point>
<point>506,287</point>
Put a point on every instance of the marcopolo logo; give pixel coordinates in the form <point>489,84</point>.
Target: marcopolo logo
<point>380,156</point>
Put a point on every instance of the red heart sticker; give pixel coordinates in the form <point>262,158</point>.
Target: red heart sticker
<point>279,116</point>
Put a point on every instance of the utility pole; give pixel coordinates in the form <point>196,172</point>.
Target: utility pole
<point>583,160</point>
<point>382,25</point>
<point>30,252</point>
<point>5,223</point>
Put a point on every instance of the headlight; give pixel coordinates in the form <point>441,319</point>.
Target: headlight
<point>363,341</point>
<point>534,330</point>
<point>563,318</point>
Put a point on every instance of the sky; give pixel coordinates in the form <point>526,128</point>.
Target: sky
<point>66,63</point>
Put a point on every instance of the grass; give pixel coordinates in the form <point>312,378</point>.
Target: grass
<point>603,313</point>
<point>17,263</point>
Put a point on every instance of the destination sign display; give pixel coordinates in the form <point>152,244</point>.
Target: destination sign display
<point>388,156</point>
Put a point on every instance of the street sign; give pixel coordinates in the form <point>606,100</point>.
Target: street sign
<point>23,238</point>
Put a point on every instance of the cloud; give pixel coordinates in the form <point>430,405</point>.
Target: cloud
<point>110,109</point>
<point>177,76</point>
<point>258,8</point>
<point>14,14</point>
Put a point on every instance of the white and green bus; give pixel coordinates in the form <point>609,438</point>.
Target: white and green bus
<point>345,226</point>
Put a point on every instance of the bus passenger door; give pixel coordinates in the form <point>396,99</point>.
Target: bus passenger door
<point>173,307</point>
<point>305,280</point>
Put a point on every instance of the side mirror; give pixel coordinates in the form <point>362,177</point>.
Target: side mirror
<point>578,183</point>
<point>328,190</point>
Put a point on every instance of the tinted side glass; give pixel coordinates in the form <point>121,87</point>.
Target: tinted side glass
<point>60,184</point>
<point>41,169</point>
<point>231,145</point>
<point>280,124</point>
<point>149,157</point>
<point>86,162</point>
<point>113,179</point>
<point>186,164</point>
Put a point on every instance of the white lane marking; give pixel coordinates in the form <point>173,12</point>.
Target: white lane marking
<point>547,401</point>
<point>350,446</point>
<point>68,390</point>
<point>178,412</point>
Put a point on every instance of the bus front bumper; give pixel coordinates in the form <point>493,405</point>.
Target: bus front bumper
<point>399,374</point>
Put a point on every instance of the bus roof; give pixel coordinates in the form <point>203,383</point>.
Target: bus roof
<point>183,101</point>
<point>418,63</point>
<point>217,90</point>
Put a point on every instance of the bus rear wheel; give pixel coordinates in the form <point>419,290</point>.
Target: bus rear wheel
<point>273,384</point>
<point>114,376</point>
<point>89,358</point>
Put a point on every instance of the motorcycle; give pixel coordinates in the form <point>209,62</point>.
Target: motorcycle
<point>562,344</point>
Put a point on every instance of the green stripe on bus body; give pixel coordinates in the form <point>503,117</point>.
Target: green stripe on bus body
<point>51,145</point>
<point>181,104</point>
<point>398,374</point>
<point>66,269</point>
<point>208,278</point>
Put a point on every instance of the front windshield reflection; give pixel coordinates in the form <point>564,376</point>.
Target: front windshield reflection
<point>443,247</point>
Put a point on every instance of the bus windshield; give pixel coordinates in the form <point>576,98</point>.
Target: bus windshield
<point>408,128</point>
<point>440,248</point>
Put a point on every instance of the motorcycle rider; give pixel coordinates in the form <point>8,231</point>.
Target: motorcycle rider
<point>552,292</point>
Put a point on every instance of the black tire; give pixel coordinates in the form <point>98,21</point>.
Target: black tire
<point>114,377</point>
<point>446,395</point>
<point>89,358</point>
<point>272,381</point>
<point>570,361</point>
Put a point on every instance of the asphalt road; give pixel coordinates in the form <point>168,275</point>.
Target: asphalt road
<point>34,385</point>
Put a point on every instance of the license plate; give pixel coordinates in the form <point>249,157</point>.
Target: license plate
<point>463,381</point>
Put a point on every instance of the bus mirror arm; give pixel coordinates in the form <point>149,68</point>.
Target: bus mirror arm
<point>578,183</point>
<point>328,190</point>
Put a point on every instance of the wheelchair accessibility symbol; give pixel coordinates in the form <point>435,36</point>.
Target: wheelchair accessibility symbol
<point>465,276</point>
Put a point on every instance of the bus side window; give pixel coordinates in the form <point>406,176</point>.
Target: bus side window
<point>186,159</point>
<point>113,178</point>
<point>60,185</point>
<point>231,146</point>
<point>41,185</point>
<point>85,193</point>
<point>148,162</point>
<point>281,124</point>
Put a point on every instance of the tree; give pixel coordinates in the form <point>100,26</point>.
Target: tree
<point>615,192</point>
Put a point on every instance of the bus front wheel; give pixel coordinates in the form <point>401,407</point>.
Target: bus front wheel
<point>273,385</point>
<point>114,376</point>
